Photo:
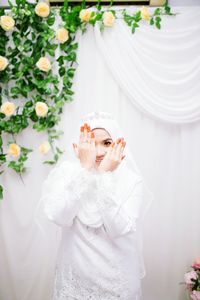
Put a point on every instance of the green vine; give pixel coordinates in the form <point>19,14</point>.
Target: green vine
<point>35,83</point>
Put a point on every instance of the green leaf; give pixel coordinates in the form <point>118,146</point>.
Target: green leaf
<point>70,72</point>
<point>51,20</point>
<point>151,21</point>
<point>157,11</point>
<point>3,158</point>
<point>133,29</point>
<point>71,56</point>
<point>158,19</point>
<point>1,192</point>
<point>49,162</point>
<point>167,9</point>
<point>15,90</point>
<point>62,71</point>
<point>51,52</point>
<point>158,25</point>
<point>1,141</point>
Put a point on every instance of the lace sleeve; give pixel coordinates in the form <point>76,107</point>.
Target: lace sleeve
<point>62,192</point>
<point>119,215</point>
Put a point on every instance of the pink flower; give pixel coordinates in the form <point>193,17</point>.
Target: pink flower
<point>195,295</point>
<point>190,275</point>
<point>196,263</point>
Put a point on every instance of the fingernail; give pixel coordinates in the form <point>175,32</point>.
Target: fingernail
<point>113,145</point>
<point>82,128</point>
<point>92,135</point>
<point>118,141</point>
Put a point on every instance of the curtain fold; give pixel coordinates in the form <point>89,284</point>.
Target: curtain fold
<point>159,71</point>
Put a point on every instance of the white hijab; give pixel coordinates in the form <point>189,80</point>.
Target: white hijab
<point>126,175</point>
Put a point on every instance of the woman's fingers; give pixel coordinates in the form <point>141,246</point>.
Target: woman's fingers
<point>84,133</point>
<point>92,138</point>
<point>81,134</point>
<point>118,149</point>
<point>75,147</point>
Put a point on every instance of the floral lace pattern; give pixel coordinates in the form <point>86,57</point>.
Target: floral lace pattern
<point>69,284</point>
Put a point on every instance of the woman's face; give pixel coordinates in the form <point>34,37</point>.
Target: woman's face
<point>102,142</point>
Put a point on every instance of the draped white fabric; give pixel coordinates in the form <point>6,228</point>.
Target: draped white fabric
<point>158,71</point>
<point>143,79</point>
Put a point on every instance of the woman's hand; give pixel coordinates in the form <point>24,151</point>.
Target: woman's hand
<point>113,157</point>
<point>85,151</point>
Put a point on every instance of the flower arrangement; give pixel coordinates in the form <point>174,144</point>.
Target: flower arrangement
<point>192,280</point>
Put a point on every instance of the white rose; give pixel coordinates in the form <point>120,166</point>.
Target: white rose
<point>8,108</point>
<point>44,64</point>
<point>44,147</point>
<point>41,109</point>
<point>42,9</point>
<point>7,23</point>
<point>3,63</point>
<point>14,150</point>
<point>62,35</point>
<point>85,15</point>
<point>108,18</point>
<point>145,14</point>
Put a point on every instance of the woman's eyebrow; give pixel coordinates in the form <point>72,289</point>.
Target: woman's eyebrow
<point>108,139</point>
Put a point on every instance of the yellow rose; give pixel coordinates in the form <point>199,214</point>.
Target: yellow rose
<point>42,9</point>
<point>108,18</point>
<point>145,14</point>
<point>62,35</point>
<point>3,63</point>
<point>41,109</point>
<point>44,147</point>
<point>14,150</point>
<point>43,64</point>
<point>7,23</point>
<point>8,108</point>
<point>85,15</point>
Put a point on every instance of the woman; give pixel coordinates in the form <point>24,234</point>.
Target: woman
<point>99,201</point>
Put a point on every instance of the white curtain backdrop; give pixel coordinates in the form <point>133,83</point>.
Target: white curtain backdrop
<point>150,81</point>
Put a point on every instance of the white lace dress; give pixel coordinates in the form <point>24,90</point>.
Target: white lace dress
<point>98,256</point>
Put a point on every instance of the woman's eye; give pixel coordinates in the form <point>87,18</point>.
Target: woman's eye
<point>108,143</point>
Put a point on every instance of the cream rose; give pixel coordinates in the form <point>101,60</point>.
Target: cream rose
<point>8,108</point>
<point>14,150</point>
<point>85,15</point>
<point>3,63</point>
<point>44,147</point>
<point>145,14</point>
<point>62,35</point>
<point>108,18</point>
<point>42,9</point>
<point>7,23</point>
<point>41,109</point>
<point>44,64</point>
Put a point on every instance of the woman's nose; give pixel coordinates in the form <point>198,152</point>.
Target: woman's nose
<point>100,151</point>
